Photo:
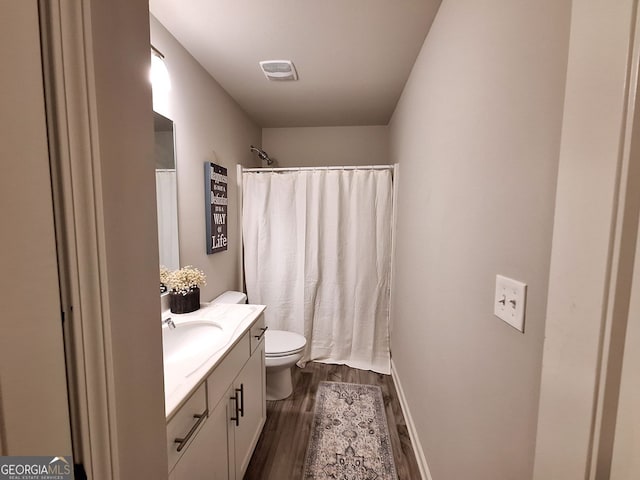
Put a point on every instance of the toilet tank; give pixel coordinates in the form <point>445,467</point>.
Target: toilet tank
<point>230,296</point>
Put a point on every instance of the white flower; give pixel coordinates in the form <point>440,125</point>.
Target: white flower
<point>164,274</point>
<point>184,280</point>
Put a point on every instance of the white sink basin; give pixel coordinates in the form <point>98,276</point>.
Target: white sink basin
<point>198,343</point>
<point>187,346</point>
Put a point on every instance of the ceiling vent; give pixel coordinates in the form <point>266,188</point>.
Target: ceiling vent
<point>279,70</point>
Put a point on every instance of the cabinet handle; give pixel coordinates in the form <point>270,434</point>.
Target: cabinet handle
<point>237,417</point>
<point>182,442</point>
<point>264,329</point>
<point>241,392</point>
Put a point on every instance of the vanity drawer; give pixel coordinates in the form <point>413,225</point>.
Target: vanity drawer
<point>185,424</point>
<point>224,374</point>
<point>257,332</point>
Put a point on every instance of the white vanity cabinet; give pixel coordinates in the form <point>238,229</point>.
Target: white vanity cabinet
<point>233,397</point>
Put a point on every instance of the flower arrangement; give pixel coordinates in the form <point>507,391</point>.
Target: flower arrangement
<point>164,275</point>
<point>182,281</point>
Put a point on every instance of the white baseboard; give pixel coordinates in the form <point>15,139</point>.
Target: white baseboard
<point>413,435</point>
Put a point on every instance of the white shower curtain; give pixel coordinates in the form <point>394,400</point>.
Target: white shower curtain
<point>317,252</point>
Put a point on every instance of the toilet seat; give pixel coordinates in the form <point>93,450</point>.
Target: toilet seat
<point>280,343</point>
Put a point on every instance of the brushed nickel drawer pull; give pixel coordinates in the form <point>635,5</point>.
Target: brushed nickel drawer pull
<point>241,392</point>
<point>182,442</point>
<point>237,413</point>
<point>264,330</point>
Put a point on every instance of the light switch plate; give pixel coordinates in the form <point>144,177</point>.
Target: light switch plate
<point>510,301</point>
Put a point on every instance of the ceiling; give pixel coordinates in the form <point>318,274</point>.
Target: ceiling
<point>353,57</point>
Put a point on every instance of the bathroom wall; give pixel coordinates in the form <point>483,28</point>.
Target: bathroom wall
<point>210,127</point>
<point>476,133</point>
<point>323,146</point>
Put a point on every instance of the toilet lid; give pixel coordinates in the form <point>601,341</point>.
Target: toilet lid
<point>280,342</point>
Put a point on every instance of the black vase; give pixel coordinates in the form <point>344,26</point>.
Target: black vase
<point>185,303</point>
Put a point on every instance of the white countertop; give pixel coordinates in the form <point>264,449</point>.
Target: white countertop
<point>181,379</point>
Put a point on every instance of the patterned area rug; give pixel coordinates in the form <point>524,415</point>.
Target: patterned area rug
<point>349,437</point>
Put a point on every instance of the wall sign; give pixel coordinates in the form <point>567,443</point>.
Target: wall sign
<point>215,189</point>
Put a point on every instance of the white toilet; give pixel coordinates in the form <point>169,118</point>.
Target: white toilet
<point>230,297</point>
<point>282,350</point>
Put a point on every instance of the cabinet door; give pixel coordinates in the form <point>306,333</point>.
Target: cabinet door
<point>207,457</point>
<point>218,447</point>
<point>251,382</point>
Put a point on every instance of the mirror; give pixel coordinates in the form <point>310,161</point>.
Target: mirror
<point>166,191</point>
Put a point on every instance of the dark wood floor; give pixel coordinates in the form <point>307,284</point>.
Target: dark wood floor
<point>281,449</point>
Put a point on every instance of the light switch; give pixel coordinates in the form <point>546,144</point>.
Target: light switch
<point>510,301</point>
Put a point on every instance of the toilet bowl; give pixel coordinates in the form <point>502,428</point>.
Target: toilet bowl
<point>282,350</point>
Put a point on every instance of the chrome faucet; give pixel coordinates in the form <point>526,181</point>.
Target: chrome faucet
<point>169,322</point>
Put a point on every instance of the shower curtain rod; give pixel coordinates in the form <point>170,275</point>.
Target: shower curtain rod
<point>297,169</point>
